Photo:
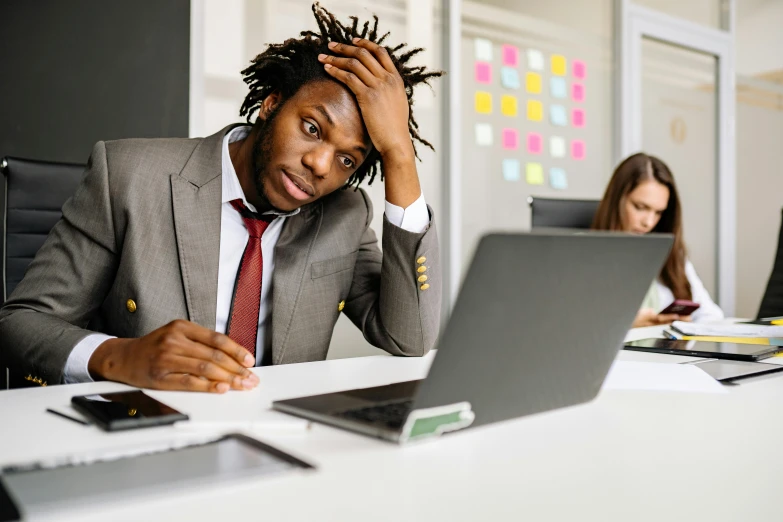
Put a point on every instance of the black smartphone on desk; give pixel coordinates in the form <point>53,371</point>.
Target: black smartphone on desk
<point>126,410</point>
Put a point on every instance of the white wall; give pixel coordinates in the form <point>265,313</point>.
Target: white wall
<point>759,38</point>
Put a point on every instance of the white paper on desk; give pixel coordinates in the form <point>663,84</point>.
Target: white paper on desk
<point>728,330</point>
<point>687,378</point>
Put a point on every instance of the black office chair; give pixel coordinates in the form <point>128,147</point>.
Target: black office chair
<point>562,213</point>
<point>772,302</point>
<point>35,192</point>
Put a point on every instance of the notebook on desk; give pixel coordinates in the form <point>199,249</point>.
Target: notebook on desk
<point>537,323</point>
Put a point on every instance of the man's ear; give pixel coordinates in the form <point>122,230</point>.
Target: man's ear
<point>269,104</point>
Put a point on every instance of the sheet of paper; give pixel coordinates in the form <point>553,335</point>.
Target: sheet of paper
<point>483,72</point>
<point>510,55</point>
<point>578,118</point>
<point>535,60</point>
<point>578,149</point>
<point>482,49</point>
<point>557,87</point>
<point>558,63</point>
<point>534,143</point>
<point>510,169</point>
<point>509,78</point>
<point>579,69</point>
<point>510,139</point>
<point>533,83</point>
<point>558,179</point>
<point>557,115</point>
<point>535,110</point>
<point>534,174</point>
<point>483,134</point>
<point>483,102</point>
<point>577,92</point>
<point>729,330</point>
<point>647,376</point>
<point>557,147</point>
<point>508,105</point>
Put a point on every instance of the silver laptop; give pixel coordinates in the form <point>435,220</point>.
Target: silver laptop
<point>536,326</point>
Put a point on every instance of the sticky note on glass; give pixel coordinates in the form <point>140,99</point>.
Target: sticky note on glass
<point>510,55</point>
<point>579,69</point>
<point>509,78</point>
<point>557,178</point>
<point>533,83</point>
<point>557,87</point>
<point>510,139</point>
<point>534,174</point>
<point>483,102</point>
<point>483,134</point>
<point>508,105</point>
<point>578,149</point>
<point>482,49</point>
<point>558,63</point>
<point>483,72</point>
<point>578,117</point>
<point>535,110</point>
<point>557,115</point>
<point>535,60</point>
<point>511,170</point>
<point>534,143</point>
<point>577,92</point>
<point>557,147</point>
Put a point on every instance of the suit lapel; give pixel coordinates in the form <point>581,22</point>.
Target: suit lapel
<point>196,199</point>
<point>292,254</point>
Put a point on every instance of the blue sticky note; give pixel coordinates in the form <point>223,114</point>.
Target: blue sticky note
<point>557,115</point>
<point>558,179</point>
<point>557,87</point>
<point>511,170</point>
<point>509,78</point>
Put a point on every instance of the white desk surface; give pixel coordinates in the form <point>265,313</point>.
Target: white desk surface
<point>627,456</point>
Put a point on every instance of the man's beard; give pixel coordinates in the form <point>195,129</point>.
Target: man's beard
<point>262,151</point>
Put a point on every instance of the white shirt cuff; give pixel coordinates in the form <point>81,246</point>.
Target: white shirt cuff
<point>76,365</point>
<point>415,218</point>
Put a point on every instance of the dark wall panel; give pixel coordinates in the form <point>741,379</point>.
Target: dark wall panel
<point>78,71</point>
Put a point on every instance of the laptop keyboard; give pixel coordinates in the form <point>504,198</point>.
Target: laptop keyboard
<point>392,414</point>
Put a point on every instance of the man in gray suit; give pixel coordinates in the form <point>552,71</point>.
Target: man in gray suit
<point>179,263</point>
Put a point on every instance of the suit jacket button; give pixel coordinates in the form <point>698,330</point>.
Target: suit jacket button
<point>421,269</point>
<point>130,304</point>
<point>340,306</point>
<point>424,286</point>
<point>422,278</point>
<point>421,260</point>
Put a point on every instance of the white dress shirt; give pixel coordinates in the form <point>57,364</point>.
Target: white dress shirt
<point>233,239</point>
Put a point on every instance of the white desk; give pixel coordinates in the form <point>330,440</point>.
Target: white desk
<point>627,456</point>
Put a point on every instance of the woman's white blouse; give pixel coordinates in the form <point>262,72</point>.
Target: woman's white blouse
<point>708,311</point>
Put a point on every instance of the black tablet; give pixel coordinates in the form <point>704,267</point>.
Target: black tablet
<point>736,351</point>
<point>729,371</point>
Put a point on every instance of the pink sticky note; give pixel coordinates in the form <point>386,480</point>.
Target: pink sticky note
<point>578,117</point>
<point>510,139</point>
<point>578,149</point>
<point>534,143</point>
<point>510,55</point>
<point>579,69</point>
<point>578,92</point>
<point>483,72</point>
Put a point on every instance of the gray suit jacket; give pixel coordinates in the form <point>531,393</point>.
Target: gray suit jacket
<point>145,225</point>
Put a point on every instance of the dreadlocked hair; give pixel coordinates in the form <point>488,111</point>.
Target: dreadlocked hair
<point>286,67</point>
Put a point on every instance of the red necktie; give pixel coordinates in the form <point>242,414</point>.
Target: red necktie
<point>243,319</point>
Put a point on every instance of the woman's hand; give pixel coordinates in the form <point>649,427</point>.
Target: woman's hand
<point>649,317</point>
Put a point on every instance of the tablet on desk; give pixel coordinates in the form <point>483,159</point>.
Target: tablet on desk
<point>736,351</point>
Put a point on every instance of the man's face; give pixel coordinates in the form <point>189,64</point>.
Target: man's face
<point>309,146</point>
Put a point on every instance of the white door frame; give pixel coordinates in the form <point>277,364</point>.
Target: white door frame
<point>638,22</point>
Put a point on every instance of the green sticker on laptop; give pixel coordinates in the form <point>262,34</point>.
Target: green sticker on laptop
<point>432,422</point>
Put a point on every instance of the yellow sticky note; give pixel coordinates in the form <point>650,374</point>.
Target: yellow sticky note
<point>533,83</point>
<point>535,110</point>
<point>508,105</point>
<point>534,174</point>
<point>558,65</point>
<point>483,102</point>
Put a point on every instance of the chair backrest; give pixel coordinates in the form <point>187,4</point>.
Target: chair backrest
<point>772,302</point>
<point>562,213</point>
<point>35,192</point>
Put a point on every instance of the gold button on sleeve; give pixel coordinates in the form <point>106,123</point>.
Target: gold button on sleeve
<point>421,260</point>
<point>421,269</point>
<point>130,304</point>
<point>340,306</point>
<point>422,278</point>
<point>424,286</point>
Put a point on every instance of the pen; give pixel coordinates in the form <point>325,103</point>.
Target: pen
<point>64,416</point>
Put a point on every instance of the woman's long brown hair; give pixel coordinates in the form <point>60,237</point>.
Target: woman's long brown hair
<point>628,175</point>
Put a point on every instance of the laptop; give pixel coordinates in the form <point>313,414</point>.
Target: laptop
<point>537,323</point>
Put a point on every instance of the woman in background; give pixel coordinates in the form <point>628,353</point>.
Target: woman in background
<point>641,197</point>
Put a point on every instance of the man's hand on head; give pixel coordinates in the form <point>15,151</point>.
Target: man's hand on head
<point>178,356</point>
